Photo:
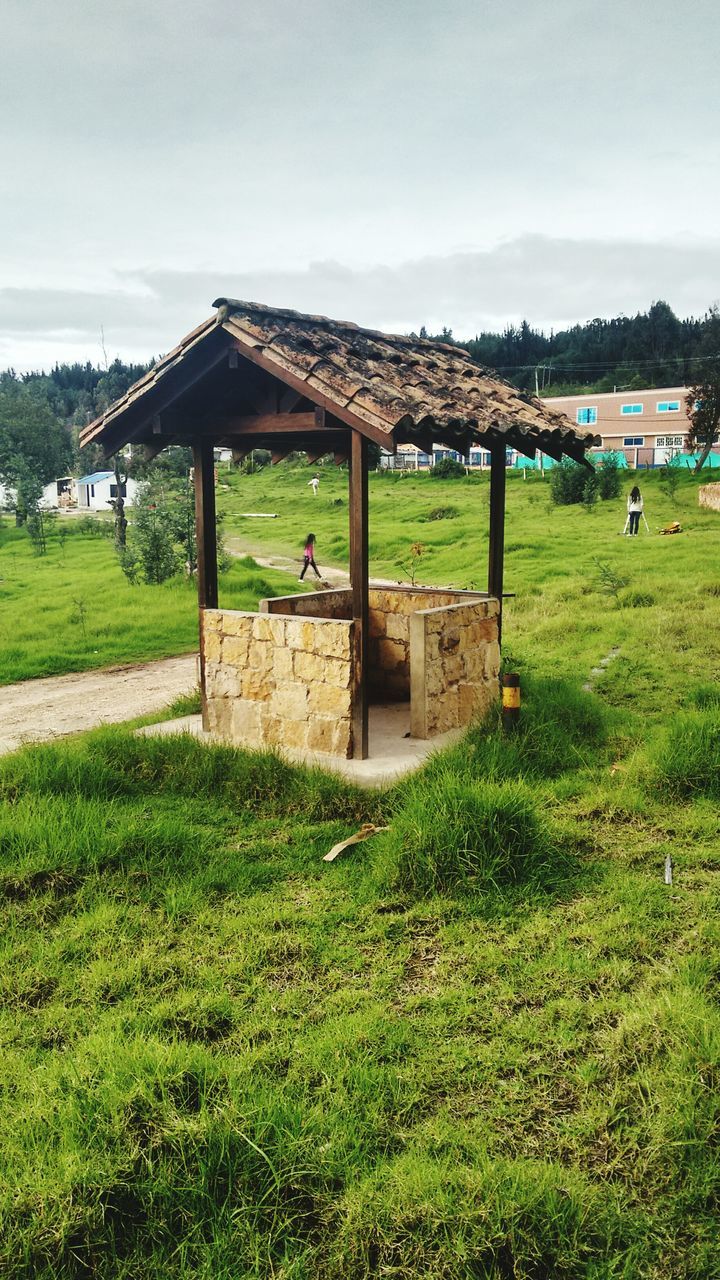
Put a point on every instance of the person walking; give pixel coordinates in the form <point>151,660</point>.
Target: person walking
<point>309,557</point>
<point>315,483</point>
<point>635,510</point>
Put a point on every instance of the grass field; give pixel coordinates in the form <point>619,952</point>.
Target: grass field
<point>483,1046</point>
<point>73,608</point>
<point>565,617</point>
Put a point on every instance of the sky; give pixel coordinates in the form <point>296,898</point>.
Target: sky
<point>466,163</point>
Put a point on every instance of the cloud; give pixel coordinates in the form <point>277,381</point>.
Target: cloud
<point>549,281</point>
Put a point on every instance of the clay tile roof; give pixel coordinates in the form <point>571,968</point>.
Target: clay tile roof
<point>392,383</point>
<point>389,379</point>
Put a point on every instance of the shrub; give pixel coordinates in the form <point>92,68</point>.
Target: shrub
<point>571,483</point>
<point>608,476</point>
<point>451,833</point>
<point>670,477</point>
<point>447,469</point>
<point>637,600</point>
<point>610,582</point>
<point>440,513</point>
<point>590,491</point>
<point>567,483</point>
<point>685,761</point>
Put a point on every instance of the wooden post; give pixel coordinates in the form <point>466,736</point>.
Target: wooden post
<point>359,584</point>
<point>206,540</point>
<point>497,524</point>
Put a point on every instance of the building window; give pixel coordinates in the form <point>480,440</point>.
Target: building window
<point>586,417</point>
<point>631,442</point>
<point>631,408</point>
<point>114,489</point>
<point>669,406</point>
<point>92,490</point>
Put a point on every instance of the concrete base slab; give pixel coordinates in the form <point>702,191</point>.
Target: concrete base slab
<point>392,754</point>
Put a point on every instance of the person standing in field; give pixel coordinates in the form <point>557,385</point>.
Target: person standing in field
<point>309,557</point>
<point>635,507</point>
<point>315,483</point>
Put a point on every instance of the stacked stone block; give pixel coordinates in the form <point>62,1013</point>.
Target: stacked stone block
<point>278,681</point>
<point>455,664</point>
<point>709,496</point>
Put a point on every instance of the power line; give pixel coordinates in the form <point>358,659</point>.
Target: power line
<point>610,364</point>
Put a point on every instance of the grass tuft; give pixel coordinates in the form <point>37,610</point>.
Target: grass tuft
<point>450,834</point>
<point>685,760</point>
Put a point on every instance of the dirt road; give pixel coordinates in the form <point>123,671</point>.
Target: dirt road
<point>38,710</point>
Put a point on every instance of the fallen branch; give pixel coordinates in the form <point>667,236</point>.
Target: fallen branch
<point>367,829</point>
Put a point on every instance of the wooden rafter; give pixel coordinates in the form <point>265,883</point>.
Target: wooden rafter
<point>345,415</point>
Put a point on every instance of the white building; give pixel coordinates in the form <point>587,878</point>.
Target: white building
<point>59,494</point>
<point>95,492</point>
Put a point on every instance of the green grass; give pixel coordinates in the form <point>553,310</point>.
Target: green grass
<point>73,609</point>
<point>484,1046</point>
<point>561,619</point>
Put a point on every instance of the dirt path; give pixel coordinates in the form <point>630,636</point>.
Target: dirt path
<point>38,710</point>
<point>288,564</point>
<point>293,564</point>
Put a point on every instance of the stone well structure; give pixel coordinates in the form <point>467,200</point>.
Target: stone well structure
<point>284,675</point>
<point>303,671</point>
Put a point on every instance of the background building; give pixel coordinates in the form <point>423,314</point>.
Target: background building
<point>649,427</point>
<point>96,492</point>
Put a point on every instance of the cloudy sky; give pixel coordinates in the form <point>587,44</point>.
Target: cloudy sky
<point>393,162</point>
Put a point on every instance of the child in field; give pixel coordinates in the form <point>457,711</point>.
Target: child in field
<point>309,557</point>
<point>635,507</point>
<point>315,482</point>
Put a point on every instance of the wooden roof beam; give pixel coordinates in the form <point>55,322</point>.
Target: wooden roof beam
<point>176,382</point>
<point>150,451</point>
<point>256,424</point>
<point>345,415</point>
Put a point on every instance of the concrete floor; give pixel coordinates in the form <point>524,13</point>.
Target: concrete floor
<point>392,755</point>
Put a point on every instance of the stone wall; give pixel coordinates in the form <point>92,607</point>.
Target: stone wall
<point>455,665</point>
<point>278,680</point>
<point>390,611</point>
<point>709,496</point>
<point>312,604</point>
<point>283,676</point>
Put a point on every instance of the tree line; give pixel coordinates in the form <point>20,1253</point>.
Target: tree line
<point>651,349</point>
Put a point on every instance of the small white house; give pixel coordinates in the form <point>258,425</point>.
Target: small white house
<point>95,492</point>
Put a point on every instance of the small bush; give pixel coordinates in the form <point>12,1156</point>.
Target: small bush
<point>610,582</point>
<point>93,527</point>
<point>440,513</point>
<point>451,833</point>
<point>685,762</point>
<point>567,483</point>
<point>608,476</point>
<point>447,469</point>
<point>637,600</point>
<point>590,491</point>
